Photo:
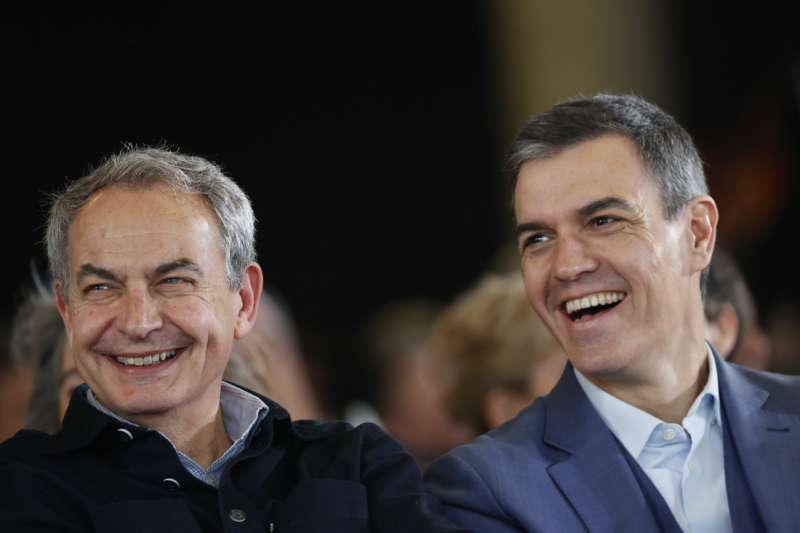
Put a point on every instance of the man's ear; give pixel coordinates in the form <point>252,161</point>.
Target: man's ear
<point>703,217</point>
<point>63,308</point>
<point>249,292</point>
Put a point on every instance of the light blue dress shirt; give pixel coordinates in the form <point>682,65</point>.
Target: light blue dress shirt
<point>241,412</point>
<point>684,461</point>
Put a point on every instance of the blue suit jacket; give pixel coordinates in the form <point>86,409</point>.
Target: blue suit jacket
<point>557,466</point>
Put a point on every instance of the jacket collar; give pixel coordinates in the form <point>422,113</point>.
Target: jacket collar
<point>594,474</point>
<point>762,416</point>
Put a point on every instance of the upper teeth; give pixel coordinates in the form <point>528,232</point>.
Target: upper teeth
<point>147,359</point>
<point>600,298</point>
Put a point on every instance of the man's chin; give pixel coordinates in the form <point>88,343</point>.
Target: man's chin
<point>596,362</point>
<point>137,405</point>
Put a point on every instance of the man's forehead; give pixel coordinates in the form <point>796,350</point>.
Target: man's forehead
<point>606,167</point>
<point>115,198</point>
<point>138,230</point>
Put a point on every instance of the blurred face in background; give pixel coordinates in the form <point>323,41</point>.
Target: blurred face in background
<point>16,383</point>
<point>68,382</point>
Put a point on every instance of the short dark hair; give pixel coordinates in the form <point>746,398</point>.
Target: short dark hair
<point>666,149</point>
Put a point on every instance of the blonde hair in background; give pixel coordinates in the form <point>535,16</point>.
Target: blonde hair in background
<point>489,337</point>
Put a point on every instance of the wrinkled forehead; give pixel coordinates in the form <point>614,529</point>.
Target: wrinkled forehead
<point>120,223</point>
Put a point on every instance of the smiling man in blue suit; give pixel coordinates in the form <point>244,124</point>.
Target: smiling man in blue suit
<point>648,429</point>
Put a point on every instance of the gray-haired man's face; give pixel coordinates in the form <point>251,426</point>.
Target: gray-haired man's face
<point>149,315</point>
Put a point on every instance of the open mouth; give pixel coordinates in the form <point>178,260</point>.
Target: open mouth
<point>149,360</point>
<point>591,305</point>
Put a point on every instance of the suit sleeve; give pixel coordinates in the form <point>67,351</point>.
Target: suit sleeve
<point>465,496</point>
<point>399,502</point>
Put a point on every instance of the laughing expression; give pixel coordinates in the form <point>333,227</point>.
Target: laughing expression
<point>149,314</point>
<point>602,266</point>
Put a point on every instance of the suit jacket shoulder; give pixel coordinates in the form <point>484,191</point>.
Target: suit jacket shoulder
<point>784,390</point>
<point>479,483</point>
<point>557,467</point>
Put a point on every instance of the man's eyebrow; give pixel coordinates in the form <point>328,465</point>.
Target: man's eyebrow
<point>88,269</point>
<point>605,203</point>
<point>529,226</point>
<point>179,264</point>
<point>585,211</point>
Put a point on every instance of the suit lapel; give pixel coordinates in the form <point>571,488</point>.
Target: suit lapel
<point>594,476</point>
<point>768,444</point>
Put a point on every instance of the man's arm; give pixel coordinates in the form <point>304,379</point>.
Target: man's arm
<point>397,496</point>
<point>466,498</point>
<point>25,504</point>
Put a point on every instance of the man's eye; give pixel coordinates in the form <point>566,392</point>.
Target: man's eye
<point>97,287</point>
<point>174,281</point>
<point>534,240</point>
<point>603,220</point>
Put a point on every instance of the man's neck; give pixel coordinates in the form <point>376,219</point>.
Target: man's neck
<point>667,390</point>
<point>204,444</point>
<point>198,432</point>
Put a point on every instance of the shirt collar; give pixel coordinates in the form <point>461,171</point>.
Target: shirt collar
<point>240,410</point>
<point>84,425</point>
<point>631,425</point>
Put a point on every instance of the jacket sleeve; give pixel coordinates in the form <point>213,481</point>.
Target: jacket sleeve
<point>27,506</point>
<point>397,497</point>
<point>466,498</point>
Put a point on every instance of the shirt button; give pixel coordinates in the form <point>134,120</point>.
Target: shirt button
<point>124,435</point>
<point>669,434</point>
<point>237,515</point>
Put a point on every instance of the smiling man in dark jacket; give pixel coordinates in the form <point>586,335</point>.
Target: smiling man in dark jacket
<point>153,262</point>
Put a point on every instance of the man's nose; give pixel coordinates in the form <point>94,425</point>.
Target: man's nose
<point>141,314</point>
<point>572,259</point>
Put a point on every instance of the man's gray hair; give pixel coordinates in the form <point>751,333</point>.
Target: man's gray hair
<point>666,149</point>
<point>141,168</point>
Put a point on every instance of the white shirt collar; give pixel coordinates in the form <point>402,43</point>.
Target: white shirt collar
<point>631,425</point>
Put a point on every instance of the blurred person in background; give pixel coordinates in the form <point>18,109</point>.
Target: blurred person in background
<point>268,361</point>
<point>16,383</point>
<point>731,317</point>
<point>492,355</point>
<point>38,341</point>
<point>407,395</point>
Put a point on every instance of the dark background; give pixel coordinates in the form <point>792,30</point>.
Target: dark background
<point>365,137</point>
